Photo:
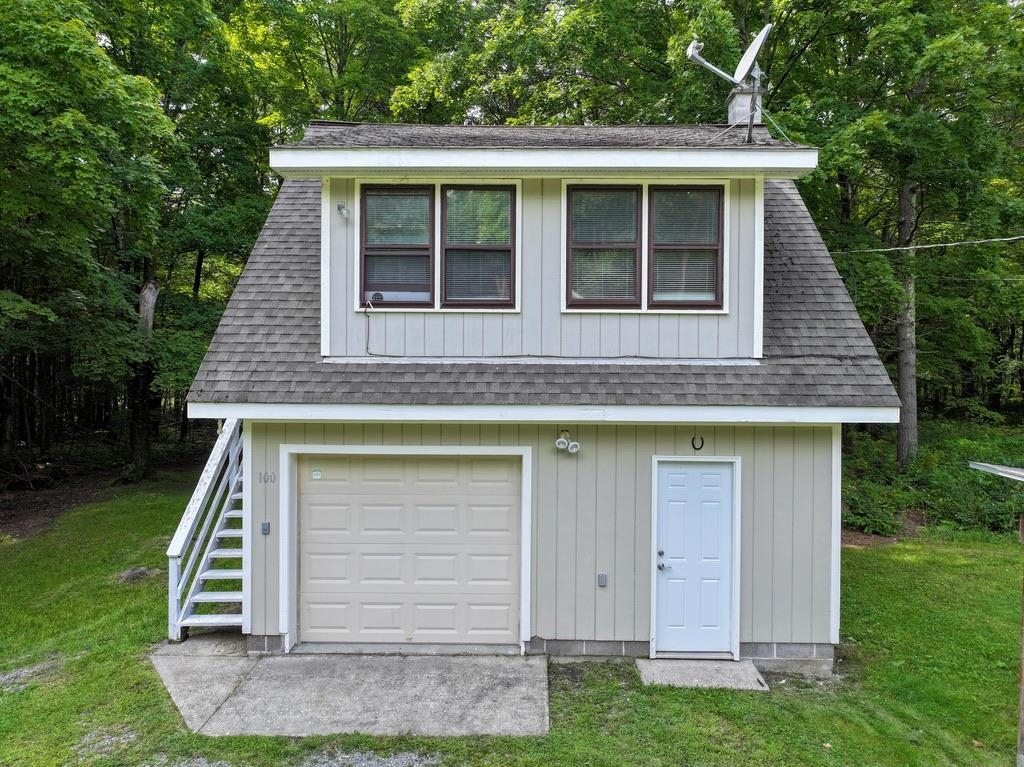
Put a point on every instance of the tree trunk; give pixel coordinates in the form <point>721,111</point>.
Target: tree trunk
<point>906,372</point>
<point>140,411</point>
<point>197,278</point>
<point>906,327</point>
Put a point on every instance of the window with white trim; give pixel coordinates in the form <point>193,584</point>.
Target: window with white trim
<point>683,260</point>
<point>475,258</point>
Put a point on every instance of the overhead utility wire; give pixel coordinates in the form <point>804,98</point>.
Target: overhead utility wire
<point>929,245</point>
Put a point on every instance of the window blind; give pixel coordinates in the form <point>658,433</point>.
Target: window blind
<point>685,275</point>
<point>604,274</point>
<point>478,275</point>
<point>396,272</point>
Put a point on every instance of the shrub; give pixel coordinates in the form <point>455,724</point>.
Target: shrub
<point>939,483</point>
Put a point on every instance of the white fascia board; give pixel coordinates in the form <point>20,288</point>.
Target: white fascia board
<point>315,162</point>
<point>706,414</point>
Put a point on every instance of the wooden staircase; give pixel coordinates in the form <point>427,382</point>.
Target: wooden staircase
<point>207,555</point>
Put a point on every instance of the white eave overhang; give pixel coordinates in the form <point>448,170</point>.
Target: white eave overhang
<point>316,162</point>
<point>621,414</point>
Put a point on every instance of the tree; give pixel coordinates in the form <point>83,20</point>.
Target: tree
<point>79,147</point>
<point>908,102</point>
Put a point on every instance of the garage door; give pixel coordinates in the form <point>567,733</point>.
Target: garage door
<point>409,549</point>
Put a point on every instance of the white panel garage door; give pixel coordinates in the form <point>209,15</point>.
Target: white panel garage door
<point>409,549</point>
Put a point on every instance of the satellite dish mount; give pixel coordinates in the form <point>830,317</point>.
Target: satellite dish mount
<point>746,81</point>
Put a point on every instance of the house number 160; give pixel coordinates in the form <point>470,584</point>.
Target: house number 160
<point>266,477</point>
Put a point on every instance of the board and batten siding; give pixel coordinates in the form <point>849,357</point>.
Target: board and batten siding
<point>540,327</point>
<point>592,513</point>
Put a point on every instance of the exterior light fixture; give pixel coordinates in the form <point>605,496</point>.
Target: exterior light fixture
<point>566,442</point>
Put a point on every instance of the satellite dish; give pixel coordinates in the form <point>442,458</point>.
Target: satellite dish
<point>748,60</point>
<point>747,67</point>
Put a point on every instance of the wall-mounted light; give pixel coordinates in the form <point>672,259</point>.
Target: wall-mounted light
<point>566,442</point>
<point>343,210</point>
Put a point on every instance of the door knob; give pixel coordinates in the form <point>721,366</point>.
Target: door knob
<point>661,565</point>
<point>661,552</point>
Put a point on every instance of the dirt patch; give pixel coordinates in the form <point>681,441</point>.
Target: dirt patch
<point>136,574</point>
<point>20,678</point>
<point>854,539</point>
<point>24,513</point>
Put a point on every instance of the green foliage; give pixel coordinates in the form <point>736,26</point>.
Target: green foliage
<point>939,484</point>
<point>183,332</point>
<point>78,160</point>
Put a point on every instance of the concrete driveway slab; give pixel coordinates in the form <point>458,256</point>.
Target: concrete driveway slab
<point>298,695</point>
<point>199,685</point>
<point>721,674</point>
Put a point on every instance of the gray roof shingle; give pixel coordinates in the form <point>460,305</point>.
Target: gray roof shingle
<point>372,135</point>
<point>267,347</point>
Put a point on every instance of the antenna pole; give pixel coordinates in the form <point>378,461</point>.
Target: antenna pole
<point>755,101</point>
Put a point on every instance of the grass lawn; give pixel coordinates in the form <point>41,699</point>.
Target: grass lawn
<point>929,668</point>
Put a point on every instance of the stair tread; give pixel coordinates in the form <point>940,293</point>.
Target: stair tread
<point>217,596</point>
<point>221,575</point>
<point>213,620</point>
<point>226,554</point>
<point>230,532</point>
<point>233,514</point>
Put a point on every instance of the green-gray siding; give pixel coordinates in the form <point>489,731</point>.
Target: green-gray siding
<point>592,513</point>
<point>540,328</point>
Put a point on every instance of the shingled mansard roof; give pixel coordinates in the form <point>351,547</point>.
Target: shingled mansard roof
<point>332,135</point>
<point>267,347</point>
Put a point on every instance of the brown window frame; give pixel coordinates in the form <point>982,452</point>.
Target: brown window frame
<point>719,300</point>
<point>448,303</point>
<point>637,245</point>
<point>409,250</point>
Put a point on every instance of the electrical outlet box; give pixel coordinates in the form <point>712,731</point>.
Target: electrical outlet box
<point>602,579</point>
<point>265,528</point>
<point>317,474</point>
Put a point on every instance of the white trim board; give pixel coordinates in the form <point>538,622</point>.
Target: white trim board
<point>758,351</point>
<point>623,414</point>
<point>837,531</point>
<point>737,548</point>
<point>288,521</point>
<point>314,162</point>
<point>248,528</point>
<point>326,221</point>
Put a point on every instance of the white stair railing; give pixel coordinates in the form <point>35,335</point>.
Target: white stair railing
<point>196,539</point>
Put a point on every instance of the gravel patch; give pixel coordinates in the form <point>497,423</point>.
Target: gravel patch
<point>101,744</point>
<point>19,679</point>
<point>192,761</point>
<point>335,758</point>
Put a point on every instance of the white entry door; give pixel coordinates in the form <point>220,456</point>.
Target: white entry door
<point>694,558</point>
